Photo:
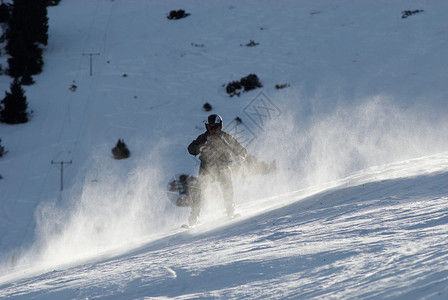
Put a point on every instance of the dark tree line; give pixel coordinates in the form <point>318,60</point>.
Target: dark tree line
<point>4,12</point>
<point>26,35</point>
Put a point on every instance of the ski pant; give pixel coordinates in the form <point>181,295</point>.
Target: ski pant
<point>206,177</point>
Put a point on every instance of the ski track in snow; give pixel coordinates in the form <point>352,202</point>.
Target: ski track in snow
<point>378,239</point>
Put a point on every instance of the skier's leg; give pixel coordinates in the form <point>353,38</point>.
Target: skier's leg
<point>194,214</point>
<point>197,196</point>
<point>195,207</point>
<point>225,180</point>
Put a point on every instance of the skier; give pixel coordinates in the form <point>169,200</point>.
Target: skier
<point>217,151</point>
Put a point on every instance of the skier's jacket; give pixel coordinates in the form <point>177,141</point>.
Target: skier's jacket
<point>221,148</point>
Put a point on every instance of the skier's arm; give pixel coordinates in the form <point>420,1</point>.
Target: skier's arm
<point>237,148</point>
<point>195,145</point>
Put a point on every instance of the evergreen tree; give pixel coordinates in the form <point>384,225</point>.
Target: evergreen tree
<point>26,34</point>
<point>27,79</point>
<point>121,151</point>
<point>2,149</point>
<point>26,59</point>
<point>29,20</point>
<point>14,105</point>
<point>4,12</point>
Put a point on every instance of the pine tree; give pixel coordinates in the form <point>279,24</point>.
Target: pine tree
<point>2,149</point>
<point>27,33</point>
<point>121,151</point>
<point>4,12</point>
<point>37,10</point>
<point>27,79</point>
<point>29,19</point>
<point>14,105</point>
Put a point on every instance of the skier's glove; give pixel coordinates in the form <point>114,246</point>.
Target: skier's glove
<point>203,149</point>
<point>240,159</point>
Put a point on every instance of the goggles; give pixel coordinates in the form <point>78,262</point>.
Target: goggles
<point>212,127</point>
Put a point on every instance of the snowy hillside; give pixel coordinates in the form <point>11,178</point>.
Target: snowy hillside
<point>357,208</point>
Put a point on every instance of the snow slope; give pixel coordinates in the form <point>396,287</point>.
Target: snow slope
<point>357,208</point>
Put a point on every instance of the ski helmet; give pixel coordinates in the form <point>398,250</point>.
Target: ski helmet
<point>213,120</point>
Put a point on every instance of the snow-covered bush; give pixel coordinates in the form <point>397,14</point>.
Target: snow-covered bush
<point>121,151</point>
<point>250,82</point>
<point>207,106</point>
<point>177,14</point>
<point>407,13</point>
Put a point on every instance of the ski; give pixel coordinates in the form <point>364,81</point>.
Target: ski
<point>186,226</point>
<point>234,216</point>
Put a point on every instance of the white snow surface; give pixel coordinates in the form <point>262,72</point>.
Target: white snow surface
<point>358,206</point>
